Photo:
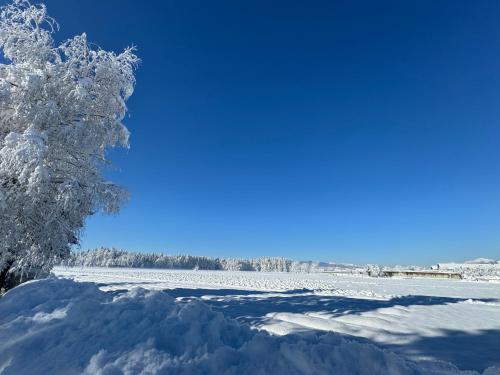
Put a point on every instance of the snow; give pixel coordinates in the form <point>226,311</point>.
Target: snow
<point>356,286</point>
<point>67,327</point>
<point>420,319</point>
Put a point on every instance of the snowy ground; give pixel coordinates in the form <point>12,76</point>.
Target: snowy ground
<point>421,319</point>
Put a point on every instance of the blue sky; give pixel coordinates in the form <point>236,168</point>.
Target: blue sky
<point>350,131</point>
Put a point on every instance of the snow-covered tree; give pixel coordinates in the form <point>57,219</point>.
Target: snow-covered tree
<point>374,270</point>
<point>61,108</point>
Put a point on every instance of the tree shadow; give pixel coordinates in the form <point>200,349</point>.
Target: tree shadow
<point>188,293</point>
<point>253,306</point>
<point>138,283</point>
<point>468,351</point>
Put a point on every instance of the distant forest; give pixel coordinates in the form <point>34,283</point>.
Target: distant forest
<point>111,257</point>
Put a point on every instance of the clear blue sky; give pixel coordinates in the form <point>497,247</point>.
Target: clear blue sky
<point>352,131</point>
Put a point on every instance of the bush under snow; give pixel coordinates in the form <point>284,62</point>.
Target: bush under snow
<point>61,326</point>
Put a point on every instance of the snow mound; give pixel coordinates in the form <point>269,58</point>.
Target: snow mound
<point>58,326</point>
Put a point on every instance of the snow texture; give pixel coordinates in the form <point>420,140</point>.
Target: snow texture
<point>59,326</point>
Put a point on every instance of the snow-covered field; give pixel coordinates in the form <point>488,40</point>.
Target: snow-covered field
<point>453,321</point>
<point>200,322</point>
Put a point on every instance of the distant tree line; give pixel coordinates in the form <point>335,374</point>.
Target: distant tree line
<point>111,257</point>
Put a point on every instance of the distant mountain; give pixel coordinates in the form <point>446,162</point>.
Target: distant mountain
<point>481,261</point>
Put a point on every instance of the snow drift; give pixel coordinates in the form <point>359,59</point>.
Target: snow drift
<point>61,326</point>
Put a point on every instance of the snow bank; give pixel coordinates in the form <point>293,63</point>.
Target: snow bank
<point>61,326</point>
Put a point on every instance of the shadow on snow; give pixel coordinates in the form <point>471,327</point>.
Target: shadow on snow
<point>468,351</point>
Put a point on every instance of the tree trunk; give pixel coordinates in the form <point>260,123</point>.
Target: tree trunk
<point>3,275</point>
